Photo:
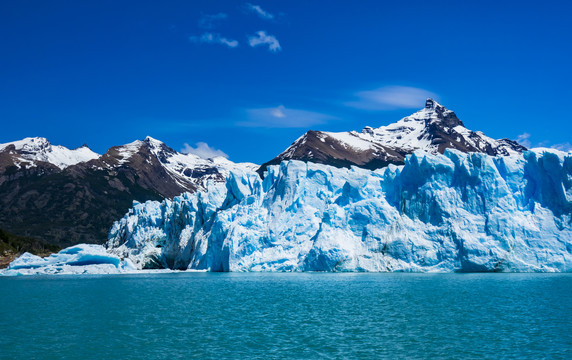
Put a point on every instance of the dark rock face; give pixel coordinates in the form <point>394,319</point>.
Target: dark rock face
<point>442,133</point>
<point>80,203</point>
<point>319,147</point>
<point>144,168</point>
<point>433,129</point>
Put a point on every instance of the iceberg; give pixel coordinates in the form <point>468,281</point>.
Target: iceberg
<point>463,212</point>
<point>79,259</point>
<point>456,212</point>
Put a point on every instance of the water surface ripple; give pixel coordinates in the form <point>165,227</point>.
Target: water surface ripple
<point>287,316</point>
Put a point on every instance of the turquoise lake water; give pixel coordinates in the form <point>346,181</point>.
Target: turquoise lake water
<point>290,316</point>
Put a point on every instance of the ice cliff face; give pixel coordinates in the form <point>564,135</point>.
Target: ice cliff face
<point>451,212</point>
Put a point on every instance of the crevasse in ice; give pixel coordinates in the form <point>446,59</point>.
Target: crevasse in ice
<point>451,212</point>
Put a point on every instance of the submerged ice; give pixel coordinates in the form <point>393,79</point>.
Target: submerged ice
<point>451,212</point>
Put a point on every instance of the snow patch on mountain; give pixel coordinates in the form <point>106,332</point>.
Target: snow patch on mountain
<point>185,166</point>
<point>432,129</point>
<point>39,149</point>
<point>350,140</point>
<point>411,133</point>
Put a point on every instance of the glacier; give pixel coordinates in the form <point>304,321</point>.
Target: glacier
<point>456,212</point>
<point>465,212</point>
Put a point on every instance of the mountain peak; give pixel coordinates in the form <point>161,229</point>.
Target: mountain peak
<point>30,148</point>
<point>29,144</point>
<point>433,129</point>
<point>154,143</point>
<point>430,103</point>
<point>435,114</point>
<point>39,149</point>
<point>149,139</point>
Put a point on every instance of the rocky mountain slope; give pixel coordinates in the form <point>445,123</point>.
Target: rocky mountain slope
<point>70,196</point>
<point>432,129</point>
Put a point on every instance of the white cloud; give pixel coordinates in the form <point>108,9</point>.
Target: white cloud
<point>278,112</point>
<point>282,117</point>
<point>391,98</point>
<point>211,21</point>
<point>259,11</point>
<point>524,140</point>
<point>262,38</point>
<point>203,150</point>
<point>228,42</point>
<point>563,146</point>
<point>213,38</point>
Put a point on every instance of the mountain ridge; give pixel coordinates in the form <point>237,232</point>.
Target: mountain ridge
<point>84,192</point>
<point>432,129</point>
<point>83,198</point>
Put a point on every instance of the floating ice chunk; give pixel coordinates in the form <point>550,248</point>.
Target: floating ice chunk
<point>79,259</point>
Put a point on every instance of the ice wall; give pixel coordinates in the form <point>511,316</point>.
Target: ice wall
<point>451,212</point>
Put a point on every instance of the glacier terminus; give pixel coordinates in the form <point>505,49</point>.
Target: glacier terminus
<point>451,212</point>
<point>436,213</point>
<point>494,207</point>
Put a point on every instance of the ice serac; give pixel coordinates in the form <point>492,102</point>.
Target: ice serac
<point>450,212</point>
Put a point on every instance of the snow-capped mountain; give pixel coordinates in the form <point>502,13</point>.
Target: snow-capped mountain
<point>84,192</point>
<point>432,129</point>
<point>187,170</point>
<point>166,170</point>
<point>29,151</point>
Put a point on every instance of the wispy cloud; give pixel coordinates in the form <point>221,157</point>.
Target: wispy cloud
<point>391,98</point>
<point>563,146</point>
<point>282,117</point>
<point>259,11</point>
<point>213,38</point>
<point>203,150</point>
<point>524,140</point>
<point>211,21</point>
<point>262,38</point>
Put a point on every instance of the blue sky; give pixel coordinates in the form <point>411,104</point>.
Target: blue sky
<point>248,78</point>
